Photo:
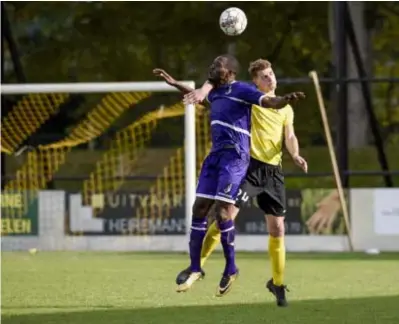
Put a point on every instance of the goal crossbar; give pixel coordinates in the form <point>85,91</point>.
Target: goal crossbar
<point>90,87</point>
<point>103,87</point>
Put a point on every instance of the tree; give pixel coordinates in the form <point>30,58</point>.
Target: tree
<point>120,41</point>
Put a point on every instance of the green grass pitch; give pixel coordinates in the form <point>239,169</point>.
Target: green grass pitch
<point>136,288</point>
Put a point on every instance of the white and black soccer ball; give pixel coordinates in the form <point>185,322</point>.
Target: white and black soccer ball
<point>233,21</point>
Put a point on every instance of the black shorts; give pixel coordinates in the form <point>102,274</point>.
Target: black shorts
<point>266,183</point>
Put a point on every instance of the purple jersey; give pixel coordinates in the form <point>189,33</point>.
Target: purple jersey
<point>224,169</point>
<point>231,115</point>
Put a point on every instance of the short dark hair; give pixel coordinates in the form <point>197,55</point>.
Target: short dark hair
<point>258,65</point>
<point>231,63</point>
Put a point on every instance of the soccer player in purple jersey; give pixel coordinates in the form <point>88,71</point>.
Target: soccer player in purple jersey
<point>224,169</point>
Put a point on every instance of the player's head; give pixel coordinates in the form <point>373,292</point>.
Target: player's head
<point>223,70</point>
<point>262,75</point>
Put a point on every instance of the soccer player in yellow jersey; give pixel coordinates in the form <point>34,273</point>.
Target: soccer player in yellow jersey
<point>265,180</point>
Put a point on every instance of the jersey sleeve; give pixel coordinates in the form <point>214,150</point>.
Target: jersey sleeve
<point>289,119</point>
<point>249,94</point>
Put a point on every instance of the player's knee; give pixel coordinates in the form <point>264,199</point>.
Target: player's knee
<point>224,211</point>
<point>201,208</point>
<point>275,225</point>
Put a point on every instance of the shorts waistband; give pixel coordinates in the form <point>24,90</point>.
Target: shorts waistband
<point>271,166</point>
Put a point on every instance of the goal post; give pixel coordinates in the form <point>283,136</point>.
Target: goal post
<point>106,87</point>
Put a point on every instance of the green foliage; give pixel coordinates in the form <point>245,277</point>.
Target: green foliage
<point>387,94</point>
<point>124,41</point>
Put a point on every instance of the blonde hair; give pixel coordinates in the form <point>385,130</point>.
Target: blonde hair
<point>258,65</point>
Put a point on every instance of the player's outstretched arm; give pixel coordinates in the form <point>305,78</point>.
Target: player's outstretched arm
<point>198,95</point>
<point>281,102</point>
<point>171,81</point>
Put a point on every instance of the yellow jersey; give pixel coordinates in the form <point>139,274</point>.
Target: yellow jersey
<point>267,132</point>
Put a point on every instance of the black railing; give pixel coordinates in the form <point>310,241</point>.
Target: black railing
<point>362,173</point>
<point>336,80</point>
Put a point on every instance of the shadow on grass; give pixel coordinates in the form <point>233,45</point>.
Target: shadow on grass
<point>343,256</point>
<point>378,310</point>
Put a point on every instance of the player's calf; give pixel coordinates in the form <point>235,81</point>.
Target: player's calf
<point>198,230</point>
<point>276,228</point>
<point>197,234</point>
<point>224,212</point>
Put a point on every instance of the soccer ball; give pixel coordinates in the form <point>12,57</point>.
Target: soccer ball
<point>233,21</point>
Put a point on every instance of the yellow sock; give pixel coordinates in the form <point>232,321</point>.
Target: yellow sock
<point>277,258</point>
<point>211,240</point>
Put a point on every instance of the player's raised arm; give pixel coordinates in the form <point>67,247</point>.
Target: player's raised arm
<point>171,81</point>
<point>255,97</point>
